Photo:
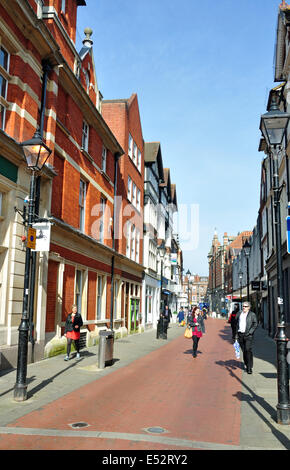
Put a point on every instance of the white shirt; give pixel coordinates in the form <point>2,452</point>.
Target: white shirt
<point>242,322</point>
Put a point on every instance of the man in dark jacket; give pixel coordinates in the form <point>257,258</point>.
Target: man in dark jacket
<point>246,324</point>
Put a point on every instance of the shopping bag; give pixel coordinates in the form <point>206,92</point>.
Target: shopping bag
<point>182,323</point>
<point>237,349</point>
<point>188,333</point>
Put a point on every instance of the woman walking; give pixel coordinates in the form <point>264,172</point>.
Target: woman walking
<point>73,324</point>
<point>195,321</point>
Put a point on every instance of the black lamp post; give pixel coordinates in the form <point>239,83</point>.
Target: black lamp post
<point>36,154</point>
<point>188,274</point>
<point>273,126</point>
<point>247,250</point>
<point>241,279</point>
<point>161,249</point>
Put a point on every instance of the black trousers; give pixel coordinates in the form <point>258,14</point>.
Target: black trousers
<point>77,345</point>
<point>195,341</point>
<point>246,343</point>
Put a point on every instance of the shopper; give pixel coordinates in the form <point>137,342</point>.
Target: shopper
<point>73,324</point>
<point>180,317</point>
<point>195,321</point>
<point>246,322</point>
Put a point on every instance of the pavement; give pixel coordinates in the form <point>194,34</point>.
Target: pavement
<point>155,396</point>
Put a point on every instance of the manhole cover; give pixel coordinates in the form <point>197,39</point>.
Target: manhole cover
<point>79,425</point>
<point>156,430</point>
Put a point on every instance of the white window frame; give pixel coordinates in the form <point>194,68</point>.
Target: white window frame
<point>100,297</point>
<point>138,199</point>
<point>1,204</point>
<point>79,295</point>
<point>4,73</point>
<point>102,219</point>
<point>85,136</point>
<point>135,153</point>
<point>133,242</point>
<point>116,299</point>
<point>128,240</point>
<point>137,246</point>
<point>139,158</point>
<point>129,188</point>
<point>130,146</point>
<point>104,159</point>
<point>134,189</point>
<point>82,204</point>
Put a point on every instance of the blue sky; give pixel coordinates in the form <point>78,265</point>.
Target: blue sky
<point>202,71</point>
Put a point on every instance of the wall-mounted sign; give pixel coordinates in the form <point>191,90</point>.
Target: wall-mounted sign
<point>31,238</point>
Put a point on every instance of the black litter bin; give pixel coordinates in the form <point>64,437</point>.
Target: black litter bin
<point>161,328</point>
<point>106,348</point>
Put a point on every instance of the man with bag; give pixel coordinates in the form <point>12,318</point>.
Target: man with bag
<point>246,325</point>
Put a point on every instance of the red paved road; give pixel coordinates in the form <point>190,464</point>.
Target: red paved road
<point>192,399</point>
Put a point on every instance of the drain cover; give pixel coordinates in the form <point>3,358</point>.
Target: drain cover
<point>79,425</point>
<point>156,430</point>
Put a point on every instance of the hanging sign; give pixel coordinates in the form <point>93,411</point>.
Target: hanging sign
<point>42,230</point>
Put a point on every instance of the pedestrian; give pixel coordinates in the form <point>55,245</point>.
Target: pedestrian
<point>167,314</point>
<point>180,317</point>
<point>195,321</point>
<point>246,324</point>
<point>73,324</point>
<point>233,321</point>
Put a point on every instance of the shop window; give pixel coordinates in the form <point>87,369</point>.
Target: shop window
<point>100,285</point>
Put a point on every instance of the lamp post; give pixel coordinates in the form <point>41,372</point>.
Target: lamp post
<point>188,278</point>
<point>161,250</point>
<point>273,126</point>
<point>36,154</point>
<point>241,278</point>
<point>247,250</point>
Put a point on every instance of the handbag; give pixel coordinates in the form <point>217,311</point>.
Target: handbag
<point>237,349</point>
<point>188,332</point>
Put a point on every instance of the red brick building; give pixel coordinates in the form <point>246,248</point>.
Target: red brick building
<point>78,186</point>
<point>123,117</point>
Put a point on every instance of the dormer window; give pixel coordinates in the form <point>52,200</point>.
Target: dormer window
<point>40,5</point>
<point>63,6</point>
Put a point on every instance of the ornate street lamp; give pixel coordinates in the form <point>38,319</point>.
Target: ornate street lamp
<point>36,154</point>
<point>274,126</point>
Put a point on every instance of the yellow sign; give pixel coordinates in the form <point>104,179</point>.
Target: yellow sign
<point>31,238</point>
